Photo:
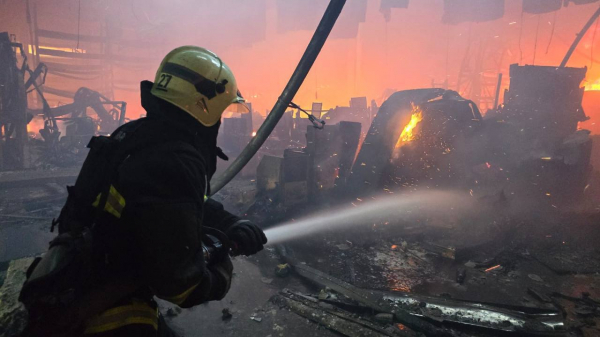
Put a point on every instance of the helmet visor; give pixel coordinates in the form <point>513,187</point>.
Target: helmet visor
<point>236,108</point>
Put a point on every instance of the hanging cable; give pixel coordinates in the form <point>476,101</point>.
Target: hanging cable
<point>78,24</point>
<point>520,35</point>
<point>386,55</point>
<point>537,30</point>
<point>592,47</point>
<point>447,57</point>
<point>134,13</point>
<point>551,32</point>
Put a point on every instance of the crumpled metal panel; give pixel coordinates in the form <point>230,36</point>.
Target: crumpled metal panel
<point>497,317</point>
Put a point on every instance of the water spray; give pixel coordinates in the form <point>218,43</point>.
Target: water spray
<point>393,207</point>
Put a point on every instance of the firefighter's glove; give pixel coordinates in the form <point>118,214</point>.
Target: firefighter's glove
<point>248,238</point>
<point>222,272</point>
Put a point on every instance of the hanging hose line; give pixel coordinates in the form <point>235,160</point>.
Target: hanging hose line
<point>308,59</point>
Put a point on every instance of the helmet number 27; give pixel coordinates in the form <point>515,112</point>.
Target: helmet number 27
<point>163,82</point>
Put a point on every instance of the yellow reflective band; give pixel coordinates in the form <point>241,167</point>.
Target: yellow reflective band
<point>97,201</point>
<point>181,297</point>
<point>136,313</point>
<point>115,203</point>
<point>205,198</point>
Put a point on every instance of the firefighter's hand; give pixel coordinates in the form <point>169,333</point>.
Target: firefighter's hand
<point>222,272</point>
<point>247,237</point>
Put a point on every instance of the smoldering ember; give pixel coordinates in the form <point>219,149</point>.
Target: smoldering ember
<point>300,167</point>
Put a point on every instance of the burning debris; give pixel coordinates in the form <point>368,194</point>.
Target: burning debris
<point>409,133</point>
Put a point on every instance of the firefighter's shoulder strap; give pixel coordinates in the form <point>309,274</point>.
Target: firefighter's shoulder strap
<point>99,171</point>
<point>94,179</point>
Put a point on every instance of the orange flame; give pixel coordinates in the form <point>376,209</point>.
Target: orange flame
<point>407,134</point>
<point>592,86</point>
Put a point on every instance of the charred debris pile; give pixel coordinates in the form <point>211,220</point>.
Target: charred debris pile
<point>63,131</point>
<point>523,261</point>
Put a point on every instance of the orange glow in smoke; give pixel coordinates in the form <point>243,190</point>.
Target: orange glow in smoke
<point>407,134</point>
<point>366,65</point>
<point>401,288</point>
<point>394,247</point>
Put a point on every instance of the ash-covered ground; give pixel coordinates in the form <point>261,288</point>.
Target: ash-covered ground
<point>544,259</point>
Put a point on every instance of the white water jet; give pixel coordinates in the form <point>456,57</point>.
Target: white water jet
<point>390,207</point>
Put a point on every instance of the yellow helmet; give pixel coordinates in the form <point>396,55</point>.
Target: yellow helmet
<point>197,81</point>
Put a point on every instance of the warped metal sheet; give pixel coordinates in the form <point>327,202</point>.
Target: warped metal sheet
<point>515,319</point>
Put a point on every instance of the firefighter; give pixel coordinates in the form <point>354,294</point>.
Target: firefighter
<point>156,209</point>
<point>165,191</point>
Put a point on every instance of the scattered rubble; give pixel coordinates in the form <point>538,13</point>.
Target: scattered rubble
<point>13,316</point>
<point>535,278</point>
<point>256,319</point>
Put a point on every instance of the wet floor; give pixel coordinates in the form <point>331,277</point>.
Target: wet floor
<point>22,241</point>
<point>248,302</point>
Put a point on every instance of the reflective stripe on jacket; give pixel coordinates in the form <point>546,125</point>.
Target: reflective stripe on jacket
<point>135,312</point>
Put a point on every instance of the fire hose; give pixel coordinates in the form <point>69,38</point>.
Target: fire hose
<point>308,58</point>
<point>216,245</point>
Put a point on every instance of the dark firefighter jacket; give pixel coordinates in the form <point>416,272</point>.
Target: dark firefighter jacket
<point>159,197</point>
